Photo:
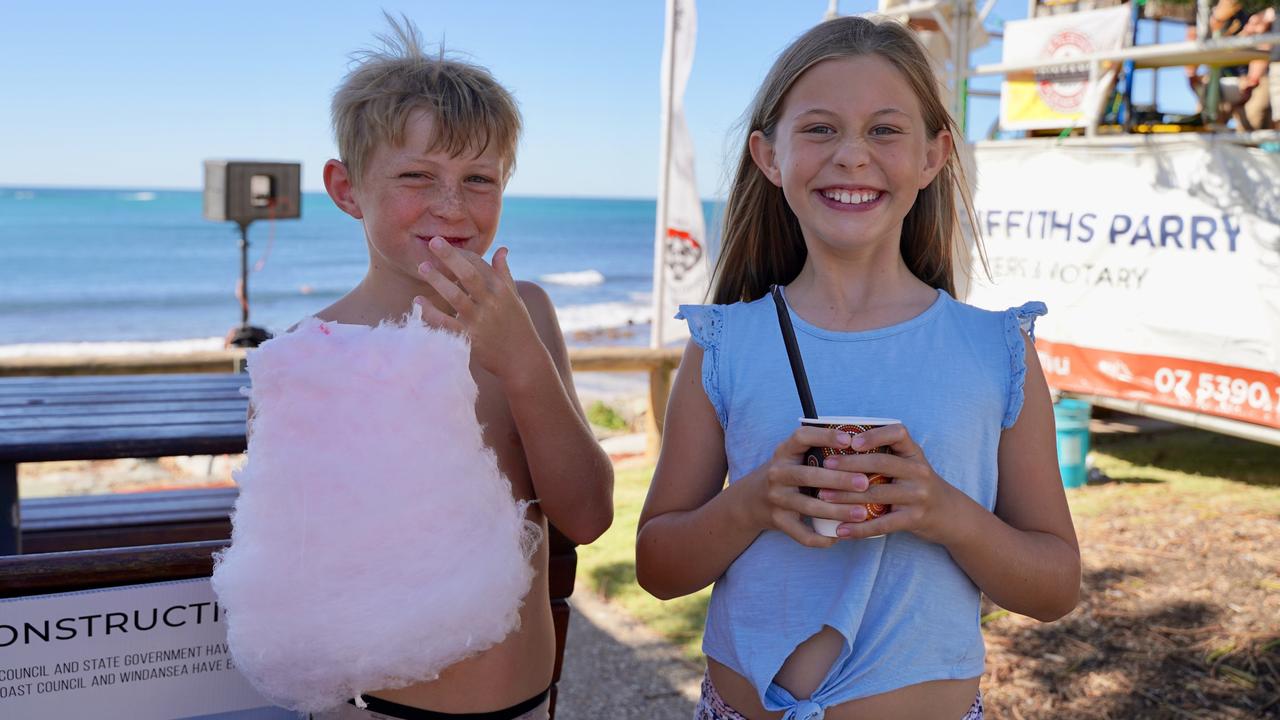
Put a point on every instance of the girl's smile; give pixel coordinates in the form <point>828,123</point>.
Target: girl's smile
<point>851,199</point>
<point>850,151</point>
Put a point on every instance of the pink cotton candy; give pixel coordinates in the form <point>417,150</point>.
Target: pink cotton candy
<point>375,540</point>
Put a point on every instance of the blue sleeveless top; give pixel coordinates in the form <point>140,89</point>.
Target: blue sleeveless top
<point>953,375</point>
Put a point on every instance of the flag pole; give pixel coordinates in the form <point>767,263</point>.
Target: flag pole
<point>664,170</point>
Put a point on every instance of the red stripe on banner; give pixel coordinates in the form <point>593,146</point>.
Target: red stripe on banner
<point>682,235</point>
<point>1233,392</point>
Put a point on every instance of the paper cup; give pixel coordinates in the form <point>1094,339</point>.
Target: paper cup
<point>815,456</point>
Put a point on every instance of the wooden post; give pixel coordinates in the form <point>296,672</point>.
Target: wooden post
<point>659,392</point>
<point>10,513</point>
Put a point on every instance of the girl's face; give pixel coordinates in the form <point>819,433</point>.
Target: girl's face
<point>850,152</point>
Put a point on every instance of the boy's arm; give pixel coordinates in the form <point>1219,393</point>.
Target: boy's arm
<point>514,335</point>
<point>571,473</point>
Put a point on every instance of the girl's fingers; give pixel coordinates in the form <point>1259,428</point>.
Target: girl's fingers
<point>895,437</point>
<point>872,463</point>
<point>799,530</point>
<point>883,525</point>
<point>883,494</point>
<point>800,476</point>
<point>807,436</point>
<point>433,317</point>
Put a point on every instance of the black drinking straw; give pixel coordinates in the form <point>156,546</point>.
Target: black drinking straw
<point>793,354</point>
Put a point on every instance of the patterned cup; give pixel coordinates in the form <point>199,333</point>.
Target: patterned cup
<point>816,455</point>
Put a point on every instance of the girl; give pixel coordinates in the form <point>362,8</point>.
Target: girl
<point>845,194</point>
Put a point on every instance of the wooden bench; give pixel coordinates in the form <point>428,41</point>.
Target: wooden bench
<point>141,537</point>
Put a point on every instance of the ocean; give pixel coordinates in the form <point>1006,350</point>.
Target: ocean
<point>84,271</point>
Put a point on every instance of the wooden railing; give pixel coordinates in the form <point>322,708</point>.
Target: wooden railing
<point>658,363</point>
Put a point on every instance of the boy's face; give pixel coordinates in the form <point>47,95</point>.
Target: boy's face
<point>408,196</point>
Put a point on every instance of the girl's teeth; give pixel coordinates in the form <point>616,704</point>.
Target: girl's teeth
<point>852,198</point>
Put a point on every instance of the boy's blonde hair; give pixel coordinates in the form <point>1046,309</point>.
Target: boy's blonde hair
<point>373,103</point>
<point>762,243</point>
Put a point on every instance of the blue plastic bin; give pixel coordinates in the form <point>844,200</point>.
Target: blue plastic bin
<point>1072,420</point>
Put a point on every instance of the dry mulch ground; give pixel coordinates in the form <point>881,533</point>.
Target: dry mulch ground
<point>1180,608</point>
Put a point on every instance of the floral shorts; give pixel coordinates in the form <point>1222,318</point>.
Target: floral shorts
<point>713,707</point>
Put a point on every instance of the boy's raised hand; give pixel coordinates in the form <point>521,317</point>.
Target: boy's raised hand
<point>486,304</point>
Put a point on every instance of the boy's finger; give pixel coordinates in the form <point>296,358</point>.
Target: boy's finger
<point>432,316</point>
<point>463,265</point>
<point>447,289</point>
<point>502,267</point>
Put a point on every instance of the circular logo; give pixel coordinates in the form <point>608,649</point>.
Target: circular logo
<point>1063,88</point>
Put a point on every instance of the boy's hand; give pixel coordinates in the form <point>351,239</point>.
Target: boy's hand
<point>487,306</point>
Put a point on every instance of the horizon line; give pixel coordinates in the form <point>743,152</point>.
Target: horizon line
<point>116,188</point>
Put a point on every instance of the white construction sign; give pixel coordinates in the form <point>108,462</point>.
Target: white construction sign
<point>144,652</point>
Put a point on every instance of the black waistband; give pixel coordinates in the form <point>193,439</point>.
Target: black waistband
<point>405,712</point>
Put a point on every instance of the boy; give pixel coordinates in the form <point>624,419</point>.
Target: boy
<point>427,146</point>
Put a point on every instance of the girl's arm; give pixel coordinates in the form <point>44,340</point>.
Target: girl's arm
<point>692,526</point>
<point>1024,556</point>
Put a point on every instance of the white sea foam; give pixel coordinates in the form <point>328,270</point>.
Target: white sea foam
<point>575,278</point>
<point>143,196</point>
<point>599,316</point>
<point>69,349</point>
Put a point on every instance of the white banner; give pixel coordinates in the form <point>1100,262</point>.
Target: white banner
<point>144,652</point>
<point>1160,265</point>
<point>1064,96</point>
<point>681,267</point>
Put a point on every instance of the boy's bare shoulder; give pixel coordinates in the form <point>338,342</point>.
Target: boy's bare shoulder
<point>538,303</point>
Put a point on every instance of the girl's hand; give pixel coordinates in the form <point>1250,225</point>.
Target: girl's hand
<point>487,306</point>
<point>777,499</point>
<point>922,502</point>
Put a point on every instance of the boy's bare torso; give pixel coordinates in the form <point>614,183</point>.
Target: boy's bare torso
<point>521,665</point>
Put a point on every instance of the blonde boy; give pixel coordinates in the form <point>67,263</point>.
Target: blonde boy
<point>427,145</point>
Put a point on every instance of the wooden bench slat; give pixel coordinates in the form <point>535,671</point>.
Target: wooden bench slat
<point>125,442</point>
<point>61,572</point>
<point>41,384</point>
<point>95,511</point>
<point>122,398</point>
<point>183,416</point>
<point>238,404</point>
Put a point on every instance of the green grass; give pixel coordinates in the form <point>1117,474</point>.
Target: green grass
<point>1150,474</point>
<point>1214,473</point>
<point>608,566</point>
<point>603,415</point>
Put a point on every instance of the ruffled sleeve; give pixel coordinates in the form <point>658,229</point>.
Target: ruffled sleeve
<point>706,325</point>
<point>1018,320</point>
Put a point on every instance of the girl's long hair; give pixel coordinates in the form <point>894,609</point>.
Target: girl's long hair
<point>762,243</point>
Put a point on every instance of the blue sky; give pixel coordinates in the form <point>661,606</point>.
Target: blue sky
<point>137,94</point>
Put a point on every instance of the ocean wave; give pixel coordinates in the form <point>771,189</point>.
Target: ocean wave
<point>143,196</point>
<point>139,347</point>
<point>577,278</point>
<point>600,316</point>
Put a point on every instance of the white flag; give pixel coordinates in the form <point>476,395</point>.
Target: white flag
<point>681,266</point>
